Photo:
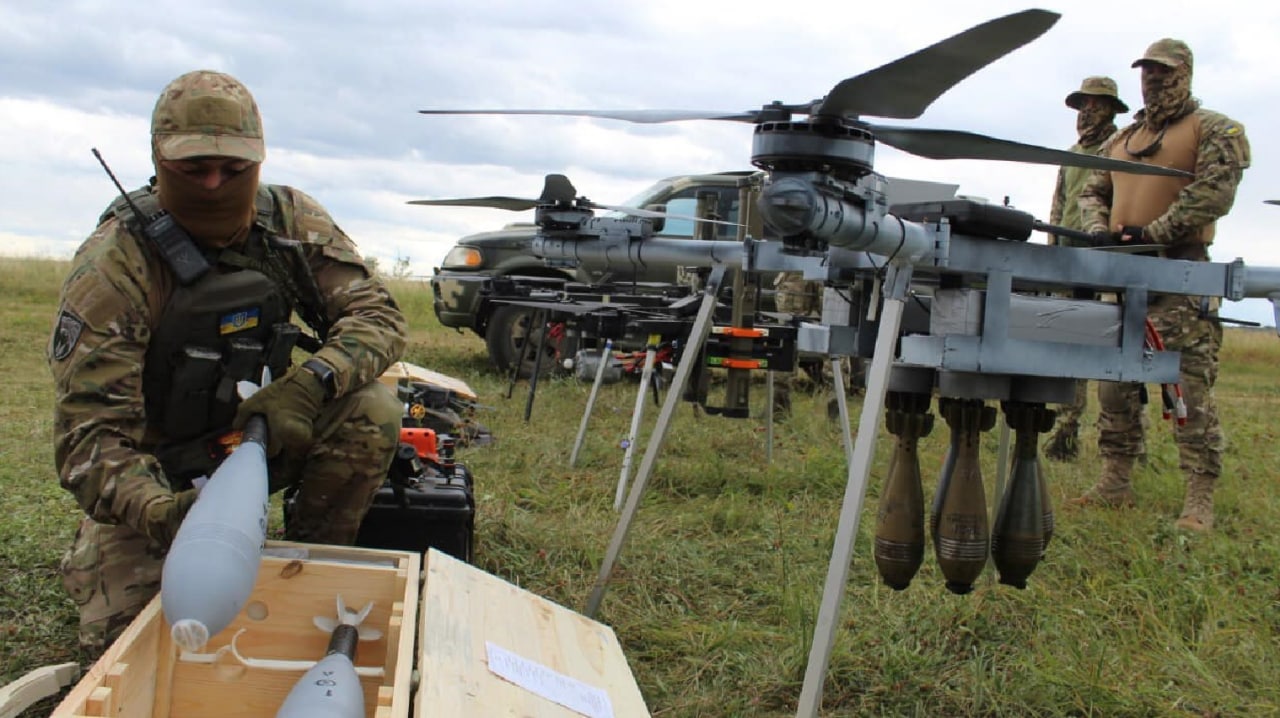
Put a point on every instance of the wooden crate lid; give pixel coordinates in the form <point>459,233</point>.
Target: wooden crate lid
<point>476,626</point>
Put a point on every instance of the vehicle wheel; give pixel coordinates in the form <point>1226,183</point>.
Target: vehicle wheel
<point>509,328</point>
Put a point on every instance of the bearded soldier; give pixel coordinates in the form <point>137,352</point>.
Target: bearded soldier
<point>155,329</point>
<point>1176,218</point>
<point>1096,104</point>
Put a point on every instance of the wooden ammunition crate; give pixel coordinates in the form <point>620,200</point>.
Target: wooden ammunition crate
<point>142,676</point>
<point>490,648</point>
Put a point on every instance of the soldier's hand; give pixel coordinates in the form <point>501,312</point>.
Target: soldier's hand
<point>290,405</point>
<point>164,515</point>
<point>1101,237</point>
<point>1133,235</point>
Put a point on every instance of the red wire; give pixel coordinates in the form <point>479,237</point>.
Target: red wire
<point>1155,342</point>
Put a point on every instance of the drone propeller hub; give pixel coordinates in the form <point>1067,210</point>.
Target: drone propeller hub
<point>561,217</point>
<point>822,144</point>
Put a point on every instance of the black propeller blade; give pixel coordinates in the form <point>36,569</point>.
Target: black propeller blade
<point>515,204</point>
<point>1271,201</point>
<point>556,190</point>
<point>639,116</point>
<point>958,145</point>
<point>904,88</point>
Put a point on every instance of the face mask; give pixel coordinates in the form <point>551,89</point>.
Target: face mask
<point>215,218</point>
<point>1164,97</point>
<point>1094,123</point>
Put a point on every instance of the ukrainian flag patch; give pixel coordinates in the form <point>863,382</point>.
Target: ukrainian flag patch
<point>239,321</point>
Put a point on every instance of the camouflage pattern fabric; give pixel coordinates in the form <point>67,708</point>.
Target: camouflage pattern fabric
<point>1178,216</point>
<point>1200,441</point>
<point>112,571</point>
<point>1064,211</point>
<point>112,298</point>
<point>207,114</point>
<point>1094,124</point>
<point>1222,155</point>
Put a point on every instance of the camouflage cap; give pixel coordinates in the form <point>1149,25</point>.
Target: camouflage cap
<point>1097,86</point>
<point>207,114</point>
<point>1167,52</point>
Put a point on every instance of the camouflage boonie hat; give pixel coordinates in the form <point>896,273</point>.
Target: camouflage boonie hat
<point>1097,86</point>
<point>207,114</point>
<point>1167,52</point>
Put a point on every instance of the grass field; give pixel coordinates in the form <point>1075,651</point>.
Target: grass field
<point>717,590</point>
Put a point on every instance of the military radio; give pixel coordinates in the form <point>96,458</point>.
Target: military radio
<point>176,246</point>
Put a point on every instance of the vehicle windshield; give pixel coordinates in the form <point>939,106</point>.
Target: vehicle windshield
<point>636,199</point>
<point>682,206</point>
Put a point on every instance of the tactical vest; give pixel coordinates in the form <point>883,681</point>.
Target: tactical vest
<point>225,327</point>
<point>1138,200</point>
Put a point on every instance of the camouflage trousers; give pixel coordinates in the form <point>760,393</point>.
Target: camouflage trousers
<point>113,571</point>
<point>1069,414</point>
<point>1200,440</point>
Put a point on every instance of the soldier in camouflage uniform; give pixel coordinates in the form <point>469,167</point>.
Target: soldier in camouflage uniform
<point>1175,216</point>
<point>145,354</point>
<point>1096,104</point>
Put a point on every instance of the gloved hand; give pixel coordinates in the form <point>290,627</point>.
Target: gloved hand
<point>1134,235</point>
<point>1101,237</point>
<point>290,405</point>
<point>164,515</point>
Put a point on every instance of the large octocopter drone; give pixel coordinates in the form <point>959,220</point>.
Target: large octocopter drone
<point>984,337</point>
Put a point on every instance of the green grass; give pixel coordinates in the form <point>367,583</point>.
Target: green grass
<point>716,593</point>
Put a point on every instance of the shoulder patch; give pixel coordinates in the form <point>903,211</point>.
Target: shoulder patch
<point>66,335</point>
<point>1231,130</point>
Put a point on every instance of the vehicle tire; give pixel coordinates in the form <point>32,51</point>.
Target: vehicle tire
<point>506,333</point>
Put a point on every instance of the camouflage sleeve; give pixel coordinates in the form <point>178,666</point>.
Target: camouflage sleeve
<point>1059,199</point>
<point>367,330</point>
<point>1221,158</point>
<point>1095,197</point>
<point>96,353</point>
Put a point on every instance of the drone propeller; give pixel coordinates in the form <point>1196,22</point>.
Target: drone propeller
<point>637,116</point>
<point>1271,201</point>
<point>901,89</point>
<point>904,88</point>
<point>959,145</point>
<point>557,190</point>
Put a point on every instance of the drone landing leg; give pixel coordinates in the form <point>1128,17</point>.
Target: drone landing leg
<point>689,356</point>
<point>646,376</point>
<point>895,289</point>
<point>842,402</point>
<point>539,319</point>
<point>605,355</point>
<point>768,418</point>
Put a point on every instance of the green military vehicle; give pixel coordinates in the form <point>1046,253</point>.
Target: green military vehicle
<point>464,286</point>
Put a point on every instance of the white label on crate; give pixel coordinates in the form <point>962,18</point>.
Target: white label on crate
<point>557,687</point>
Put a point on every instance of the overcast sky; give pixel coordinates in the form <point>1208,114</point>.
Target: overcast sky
<point>339,84</point>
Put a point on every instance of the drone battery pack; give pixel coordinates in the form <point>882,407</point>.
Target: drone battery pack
<point>431,511</point>
<point>977,219</point>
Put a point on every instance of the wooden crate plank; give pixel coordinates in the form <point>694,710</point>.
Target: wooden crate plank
<point>464,608</point>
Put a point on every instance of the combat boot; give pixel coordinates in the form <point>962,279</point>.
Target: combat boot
<point>1114,487</point>
<point>1064,445</point>
<point>1197,508</point>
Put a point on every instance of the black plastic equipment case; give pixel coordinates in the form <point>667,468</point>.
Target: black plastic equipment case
<point>978,219</point>
<point>423,504</point>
